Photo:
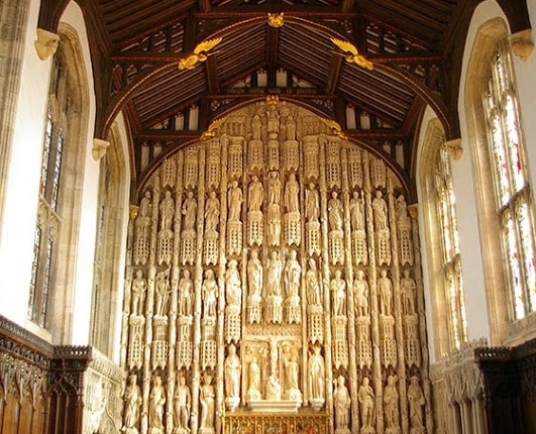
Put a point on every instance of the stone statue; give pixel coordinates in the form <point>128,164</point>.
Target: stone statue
<point>357,221</point>
<point>133,400</point>
<point>292,274</point>
<point>167,208</point>
<point>390,400</point>
<point>254,275</point>
<point>182,404</point>
<point>273,389</point>
<point>409,291</point>
<point>186,286</point>
<point>312,284</point>
<point>157,400</point>
<point>385,290</point>
<point>338,289</point>
<point>366,403</point>
<point>162,292</point>
<point>291,128</point>
<point>416,402</point>
<point>316,375</point>
<point>291,373</point>
<point>335,212</point>
<point>256,126</point>
<point>312,203</point>
<point>145,205</point>
<point>254,373</point>
<point>139,286</point>
<point>341,400</point>
<point>233,285</point>
<point>255,194</point>
<point>210,294</point>
<point>401,210</point>
<point>212,212</point>
<point>273,119</point>
<point>235,201</point>
<point>379,209</point>
<point>232,368</point>
<point>207,396</point>
<point>274,189</point>
<point>189,211</point>
<point>274,275</point>
<point>291,194</point>
<point>361,290</point>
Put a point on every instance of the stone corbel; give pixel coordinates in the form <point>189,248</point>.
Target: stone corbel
<point>522,44</point>
<point>413,211</point>
<point>99,148</point>
<point>46,43</point>
<point>454,148</point>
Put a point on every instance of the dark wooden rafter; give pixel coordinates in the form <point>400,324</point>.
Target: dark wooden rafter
<point>335,66</point>
<point>204,5</point>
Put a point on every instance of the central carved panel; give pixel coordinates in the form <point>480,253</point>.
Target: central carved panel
<point>273,271</point>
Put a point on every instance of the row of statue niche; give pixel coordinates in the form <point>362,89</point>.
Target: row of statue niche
<point>366,400</point>
<point>277,274</point>
<point>182,404</point>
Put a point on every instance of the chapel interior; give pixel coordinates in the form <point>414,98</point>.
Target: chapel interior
<point>267,217</point>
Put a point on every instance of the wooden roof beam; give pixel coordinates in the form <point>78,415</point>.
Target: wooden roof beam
<point>335,68</point>
<point>212,75</point>
<point>204,5</point>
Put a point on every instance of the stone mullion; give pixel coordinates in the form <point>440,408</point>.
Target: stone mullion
<point>374,311</point>
<point>349,276</point>
<point>198,282</point>
<point>221,302</point>
<point>175,271</point>
<point>399,330</point>
<point>325,278</point>
<point>149,310</point>
<point>425,376</point>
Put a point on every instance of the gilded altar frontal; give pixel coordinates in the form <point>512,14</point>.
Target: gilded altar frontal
<point>274,286</point>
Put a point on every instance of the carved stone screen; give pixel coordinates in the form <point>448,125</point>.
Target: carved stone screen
<point>274,272</point>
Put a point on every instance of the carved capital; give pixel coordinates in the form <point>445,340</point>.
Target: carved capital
<point>46,43</point>
<point>522,44</point>
<point>454,148</point>
<point>99,148</point>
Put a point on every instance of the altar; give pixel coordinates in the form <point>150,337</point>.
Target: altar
<point>302,422</point>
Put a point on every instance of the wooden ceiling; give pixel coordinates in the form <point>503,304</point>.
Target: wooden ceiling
<point>136,46</point>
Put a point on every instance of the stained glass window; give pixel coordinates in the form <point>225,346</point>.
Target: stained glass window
<point>514,203</point>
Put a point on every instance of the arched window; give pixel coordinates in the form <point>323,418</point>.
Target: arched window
<point>57,228</point>
<point>439,206</point>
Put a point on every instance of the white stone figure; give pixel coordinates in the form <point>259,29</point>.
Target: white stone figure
<point>385,290</point>
<point>335,218</point>
<point>316,375</point>
<point>212,212</point>
<point>145,205</point>
<point>409,292</point>
<point>189,211</point>
<point>291,128</point>
<point>207,397</point>
<point>312,203</point>
<point>167,208</point>
<point>254,374</point>
<point>233,285</point>
<point>256,126</point>
<point>292,274</point>
<point>157,400</point>
<point>274,189</point>
<point>390,401</point>
<point>133,400</point>
<point>186,286</point>
<point>139,286</point>
<point>275,269</point>
<point>366,403</point>
<point>291,194</point>
<point>416,403</point>
<point>291,373</point>
<point>401,209</point>
<point>314,296</point>
<point>379,209</point>
<point>254,271</point>
<point>232,368</point>
<point>273,389</point>
<point>342,401</point>
<point>338,290</point>
<point>235,198</point>
<point>273,119</point>
<point>210,294</point>
<point>255,194</point>
<point>162,292</point>
<point>357,221</point>
<point>361,290</point>
<point>182,402</point>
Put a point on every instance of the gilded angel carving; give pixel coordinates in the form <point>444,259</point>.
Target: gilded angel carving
<point>199,54</point>
<point>352,55</point>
